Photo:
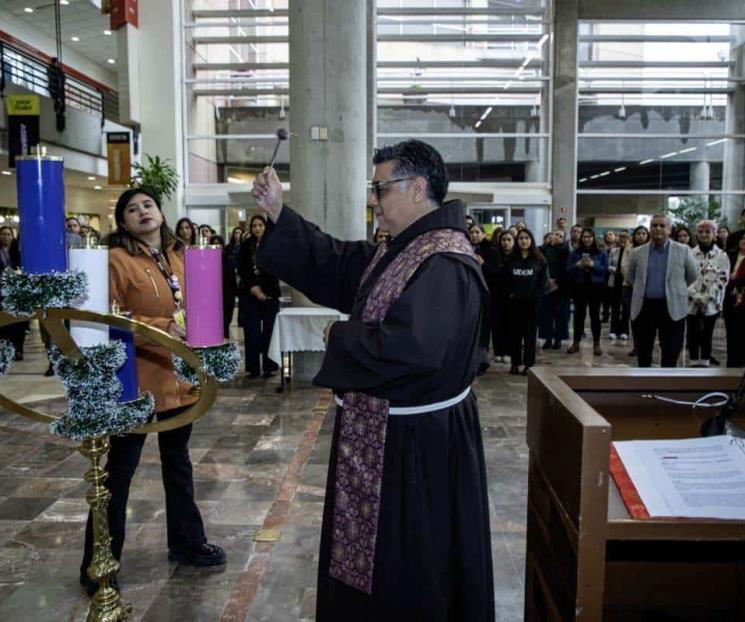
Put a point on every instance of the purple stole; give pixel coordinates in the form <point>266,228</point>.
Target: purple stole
<point>361,446</point>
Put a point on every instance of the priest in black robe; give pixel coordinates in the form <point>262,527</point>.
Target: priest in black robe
<point>432,553</point>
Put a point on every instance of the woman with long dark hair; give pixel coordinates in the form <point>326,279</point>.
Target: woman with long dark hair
<point>498,300</point>
<point>185,232</point>
<point>526,281</point>
<point>683,235</point>
<point>258,296</point>
<point>587,267</point>
<point>639,237</point>
<point>146,273</point>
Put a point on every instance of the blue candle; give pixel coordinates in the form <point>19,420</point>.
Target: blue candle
<point>41,207</point>
<point>127,373</point>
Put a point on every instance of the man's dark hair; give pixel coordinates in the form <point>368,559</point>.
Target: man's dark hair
<point>413,158</point>
<point>69,218</point>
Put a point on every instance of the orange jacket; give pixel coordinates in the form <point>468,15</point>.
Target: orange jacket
<point>137,285</point>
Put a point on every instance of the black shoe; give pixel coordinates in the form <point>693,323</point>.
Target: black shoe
<point>514,370</point>
<point>557,345</point>
<point>199,555</point>
<point>252,374</point>
<point>712,360</point>
<point>49,372</point>
<point>18,356</point>
<point>91,587</point>
<point>547,345</point>
<point>482,369</point>
<point>633,352</point>
<point>268,374</point>
<point>524,372</point>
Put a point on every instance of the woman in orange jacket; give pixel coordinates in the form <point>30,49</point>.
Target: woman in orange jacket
<point>146,273</point>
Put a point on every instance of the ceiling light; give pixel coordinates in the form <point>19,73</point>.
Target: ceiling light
<point>91,178</point>
<point>75,39</point>
<point>682,151</point>
<point>619,169</point>
<point>111,61</point>
<point>107,33</point>
<point>96,187</point>
<point>7,173</point>
<point>716,142</point>
<point>235,180</point>
<point>668,155</point>
<point>646,161</point>
<point>28,9</point>
<point>583,180</point>
<point>64,2</point>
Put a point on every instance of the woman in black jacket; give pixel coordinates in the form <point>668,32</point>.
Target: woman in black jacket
<point>554,308</point>
<point>501,343</point>
<point>526,280</point>
<point>258,296</point>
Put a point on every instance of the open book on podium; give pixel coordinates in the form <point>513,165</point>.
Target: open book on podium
<point>686,478</point>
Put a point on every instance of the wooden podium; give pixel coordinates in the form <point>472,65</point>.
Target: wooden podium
<point>586,559</point>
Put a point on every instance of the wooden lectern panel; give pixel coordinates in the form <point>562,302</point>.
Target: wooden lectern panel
<point>586,559</point>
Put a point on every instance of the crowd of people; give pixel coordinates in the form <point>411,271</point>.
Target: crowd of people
<point>664,281</point>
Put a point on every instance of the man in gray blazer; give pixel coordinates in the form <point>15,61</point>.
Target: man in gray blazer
<point>660,271</point>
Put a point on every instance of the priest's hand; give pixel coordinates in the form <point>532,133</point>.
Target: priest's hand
<point>267,191</point>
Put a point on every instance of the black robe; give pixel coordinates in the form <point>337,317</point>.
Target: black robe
<point>433,550</point>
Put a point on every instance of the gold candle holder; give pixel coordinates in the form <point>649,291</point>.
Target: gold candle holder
<point>106,605</point>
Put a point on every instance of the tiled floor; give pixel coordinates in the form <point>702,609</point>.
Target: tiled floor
<point>259,460</point>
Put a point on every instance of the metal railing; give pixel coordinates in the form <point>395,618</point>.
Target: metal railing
<point>20,68</point>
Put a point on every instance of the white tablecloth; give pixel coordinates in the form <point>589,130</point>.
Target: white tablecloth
<point>300,329</point>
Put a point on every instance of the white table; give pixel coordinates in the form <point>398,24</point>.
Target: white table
<point>300,329</point>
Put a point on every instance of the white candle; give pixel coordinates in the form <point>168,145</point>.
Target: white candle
<point>94,261</point>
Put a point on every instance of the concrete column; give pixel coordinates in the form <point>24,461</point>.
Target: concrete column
<point>733,165</point>
<point>328,84</point>
<point>328,43</point>
<point>564,111</point>
<point>700,176</point>
<point>161,93</point>
<point>372,79</point>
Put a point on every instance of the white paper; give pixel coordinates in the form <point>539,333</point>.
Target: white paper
<point>95,263</point>
<point>690,478</point>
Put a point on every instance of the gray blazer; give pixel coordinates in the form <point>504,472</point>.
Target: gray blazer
<point>682,270</point>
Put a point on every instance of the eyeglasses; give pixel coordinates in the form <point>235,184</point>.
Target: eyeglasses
<point>378,187</point>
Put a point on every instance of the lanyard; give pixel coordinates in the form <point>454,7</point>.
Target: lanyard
<point>162,262</point>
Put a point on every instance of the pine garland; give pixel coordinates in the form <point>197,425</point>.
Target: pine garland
<point>23,293</point>
<point>221,362</point>
<point>93,392</point>
<point>7,355</point>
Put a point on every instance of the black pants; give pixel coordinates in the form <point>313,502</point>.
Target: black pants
<point>554,316</point>
<point>734,321</point>
<point>523,328</point>
<point>228,307</point>
<point>619,319</point>
<point>258,324</point>
<point>183,520</point>
<point>699,335</point>
<point>587,295</point>
<point>626,295</point>
<point>654,318</point>
<point>501,344</point>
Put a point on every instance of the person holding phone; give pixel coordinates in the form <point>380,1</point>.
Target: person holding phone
<point>587,267</point>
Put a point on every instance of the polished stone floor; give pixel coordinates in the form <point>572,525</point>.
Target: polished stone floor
<point>260,464</point>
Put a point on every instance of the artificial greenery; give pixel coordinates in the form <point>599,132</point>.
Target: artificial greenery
<point>221,362</point>
<point>7,353</point>
<point>157,176</point>
<point>23,293</point>
<point>93,392</point>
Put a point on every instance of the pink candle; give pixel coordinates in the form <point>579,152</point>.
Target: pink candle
<point>203,268</point>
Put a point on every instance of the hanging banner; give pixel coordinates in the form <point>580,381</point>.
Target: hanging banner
<point>123,12</point>
<point>117,153</point>
<point>23,125</point>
